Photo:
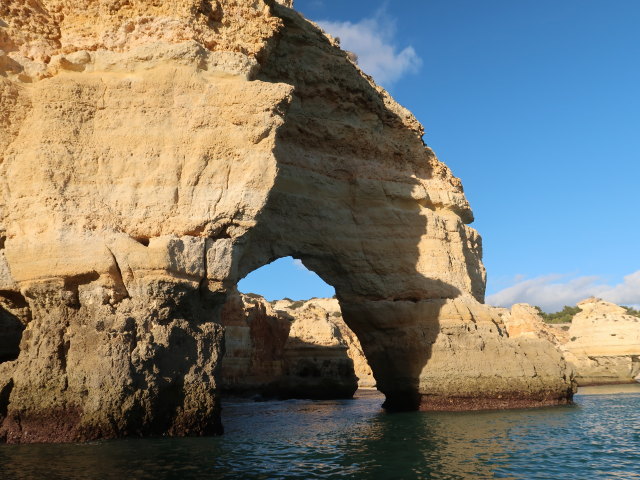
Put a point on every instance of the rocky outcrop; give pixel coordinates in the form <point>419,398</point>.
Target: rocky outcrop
<point>154,153</point>
<point>286,353</point>
<point>523,320</point>
<point>603,343</point>
<point>327,310</point>
<point>317,364</point>
<point>254,340</point>
<point>472,363</point>
<point>471,348</point>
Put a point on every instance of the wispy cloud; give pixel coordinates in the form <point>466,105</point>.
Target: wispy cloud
<point>552,292</point>
<point>373,41</point>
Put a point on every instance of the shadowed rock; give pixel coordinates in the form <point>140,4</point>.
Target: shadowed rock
<point>154,153</point>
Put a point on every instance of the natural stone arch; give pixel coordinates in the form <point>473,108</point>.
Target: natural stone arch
<point>145,170</point>
<point>365,205</point>
<point>283,348</point>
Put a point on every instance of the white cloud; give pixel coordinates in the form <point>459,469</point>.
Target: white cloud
<point>298,264</point>
<point>372,40</point>
<point>552,292</point>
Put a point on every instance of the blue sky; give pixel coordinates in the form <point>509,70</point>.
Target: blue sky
<point>535,105</point>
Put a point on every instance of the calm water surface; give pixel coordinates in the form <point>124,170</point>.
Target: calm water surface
<point>598,438</point>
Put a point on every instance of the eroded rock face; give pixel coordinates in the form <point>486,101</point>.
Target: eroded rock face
<point>472,347</point>
<point>603,343</point>
<point>317,364</point>
<point>464,359</point>
<point>329,308</point>
<point>523,320</point>
<point>154,153</point>
<point>255,339</point>
<point>129,165</point>
<point>286,350</point>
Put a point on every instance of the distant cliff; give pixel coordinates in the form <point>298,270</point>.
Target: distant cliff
<point>313,333</point>
<point>277,350</point>
<point>602,342</point>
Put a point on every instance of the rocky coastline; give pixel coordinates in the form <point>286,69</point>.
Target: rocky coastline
<point>461,370</point>
<point>601,343</point>
<point>152,154</point>
<point>600,346</point>
<point>283,352</point>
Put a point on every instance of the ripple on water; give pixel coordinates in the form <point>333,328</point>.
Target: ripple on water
<point>598,438</point>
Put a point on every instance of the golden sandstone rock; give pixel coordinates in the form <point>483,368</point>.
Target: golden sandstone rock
<point>287,350</point>
<point>154,153</point>
<point>603,344</point>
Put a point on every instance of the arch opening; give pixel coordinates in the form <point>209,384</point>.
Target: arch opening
<point>285,278</point>
<point>285,337</point>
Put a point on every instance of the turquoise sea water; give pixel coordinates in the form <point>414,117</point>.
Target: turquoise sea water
<point>597,438</point>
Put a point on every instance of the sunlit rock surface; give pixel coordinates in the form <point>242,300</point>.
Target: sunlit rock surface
<point>470,349</point>
<point>329,308</point>
<point>154,153</point>
<point>603,344</point>
<point>284,352</point>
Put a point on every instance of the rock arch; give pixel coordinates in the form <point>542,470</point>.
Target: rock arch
<point>288,348</point>
<point>146,169</point>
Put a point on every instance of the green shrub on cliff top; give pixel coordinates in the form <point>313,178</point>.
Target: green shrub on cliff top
<point>632,311</point>
<point>563,316</point>
<point>566,314</point>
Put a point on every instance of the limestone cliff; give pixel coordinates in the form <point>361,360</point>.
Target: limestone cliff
<point>284,352</point>
<point>603,343</point>
<point>317,364</point>
<point>255,338</point>
<point>469,351</point>
<point>329,309</point>
<point>523,320</point>
<point>154,153</point>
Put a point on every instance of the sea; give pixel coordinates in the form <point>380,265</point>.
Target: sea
<point>598,437</point>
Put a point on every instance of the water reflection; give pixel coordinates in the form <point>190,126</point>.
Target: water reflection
<point>598,438</point>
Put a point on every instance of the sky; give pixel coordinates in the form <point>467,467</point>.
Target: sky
<point>535,105</point>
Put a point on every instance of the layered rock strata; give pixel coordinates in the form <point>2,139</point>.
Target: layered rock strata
<point>328,309</point>
<point>255,338</point>
<point>285,353</point>
<point>472,363</point>
<point>317,364</point>
<point>154,153</point>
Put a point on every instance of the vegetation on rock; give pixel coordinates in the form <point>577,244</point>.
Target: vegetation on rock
<point>566,314</point>
<point>563,316</point>
<point>632,311</point>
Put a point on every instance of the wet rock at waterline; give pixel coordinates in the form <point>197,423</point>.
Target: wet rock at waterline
<point>153,154</point>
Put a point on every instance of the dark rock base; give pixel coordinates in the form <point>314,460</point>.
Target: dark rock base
<point>433,403</point>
